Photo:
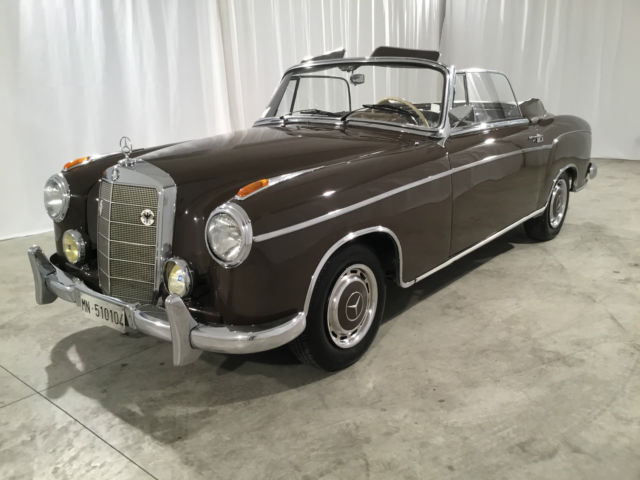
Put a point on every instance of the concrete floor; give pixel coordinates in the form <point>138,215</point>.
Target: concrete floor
<point>520,361</point>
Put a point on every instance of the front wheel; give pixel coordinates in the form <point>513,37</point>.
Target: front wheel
<point>345,310</point>
<point>548,225</point>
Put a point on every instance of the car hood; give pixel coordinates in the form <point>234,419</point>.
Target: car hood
<point>228,162</point>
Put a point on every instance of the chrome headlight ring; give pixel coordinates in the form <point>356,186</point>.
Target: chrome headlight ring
<point>239,234</point>
<point>56,197</point>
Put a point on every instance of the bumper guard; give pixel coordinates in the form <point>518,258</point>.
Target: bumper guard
<point>173,323</point>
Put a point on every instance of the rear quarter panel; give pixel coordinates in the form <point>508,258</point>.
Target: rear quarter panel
<point>570,138</point>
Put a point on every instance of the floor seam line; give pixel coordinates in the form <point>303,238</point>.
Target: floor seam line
<point>98,436</point>
<point>79,422</point>
<point>12,402</point>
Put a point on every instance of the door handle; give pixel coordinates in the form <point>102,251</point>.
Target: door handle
<point>537,138</point>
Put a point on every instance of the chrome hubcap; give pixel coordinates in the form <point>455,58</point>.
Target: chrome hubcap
<point>352,306</point>
<point>558,202</point>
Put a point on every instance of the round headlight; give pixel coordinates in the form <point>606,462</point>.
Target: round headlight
<point>177,276</point>
<point>74,246</point>
<point>56,197</point>
<point>229,235</point>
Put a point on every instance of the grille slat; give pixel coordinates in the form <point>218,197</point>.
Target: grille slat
<point>132,233</point>
<point>142,253</point>
<point>134,195</point>
<point>128,213</point>
<point>127,248</point>
<point>138,271</point>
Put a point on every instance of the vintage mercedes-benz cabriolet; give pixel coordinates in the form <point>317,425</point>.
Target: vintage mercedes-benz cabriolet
<point>360,170</point>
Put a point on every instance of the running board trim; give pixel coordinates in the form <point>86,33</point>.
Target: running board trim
<point>474,247</point>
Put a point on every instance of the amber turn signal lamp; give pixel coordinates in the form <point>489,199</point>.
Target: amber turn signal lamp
<point>75,162</point>
<point>252,187</point>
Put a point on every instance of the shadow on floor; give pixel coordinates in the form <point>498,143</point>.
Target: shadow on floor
<point>169,403</point>
<point>401,299</point>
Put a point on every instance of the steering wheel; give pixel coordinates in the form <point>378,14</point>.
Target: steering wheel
<point>408,104</point>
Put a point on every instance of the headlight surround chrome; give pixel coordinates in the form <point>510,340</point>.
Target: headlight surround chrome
<point>74,246</point>
<point>56,197</point>
<point>178,277</point>
<point>228,235</point>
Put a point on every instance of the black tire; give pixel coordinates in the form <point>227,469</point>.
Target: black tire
<point>316,346</point>
<point>544,228</point>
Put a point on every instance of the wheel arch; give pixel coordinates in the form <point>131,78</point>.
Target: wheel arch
<point>570,153</point>
<point>381,240</point>
<point>572,170</point>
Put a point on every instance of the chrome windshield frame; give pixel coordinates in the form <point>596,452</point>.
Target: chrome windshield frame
<point>440,131</point>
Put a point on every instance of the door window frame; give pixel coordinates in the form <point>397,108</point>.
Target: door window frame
<point>522,120</point>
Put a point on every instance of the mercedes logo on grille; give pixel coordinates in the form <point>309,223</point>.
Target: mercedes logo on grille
<point>147,217</point>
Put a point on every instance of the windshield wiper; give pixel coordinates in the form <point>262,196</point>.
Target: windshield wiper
<point>392,108</point>
<point>374,106</point>
<point>314,111</point>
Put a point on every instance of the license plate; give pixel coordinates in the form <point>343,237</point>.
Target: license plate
<point>110,315</point>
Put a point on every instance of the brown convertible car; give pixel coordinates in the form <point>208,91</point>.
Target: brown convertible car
<point>359,170</point>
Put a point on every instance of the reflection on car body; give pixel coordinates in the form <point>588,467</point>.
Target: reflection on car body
<point>360,169</point>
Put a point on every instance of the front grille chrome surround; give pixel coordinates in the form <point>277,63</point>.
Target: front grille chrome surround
<point>131,254</point>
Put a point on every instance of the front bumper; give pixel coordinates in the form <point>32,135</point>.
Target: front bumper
<point>173,323</point>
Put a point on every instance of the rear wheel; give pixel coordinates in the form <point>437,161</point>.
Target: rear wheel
<point>548,225</point>
<point>345,310</point>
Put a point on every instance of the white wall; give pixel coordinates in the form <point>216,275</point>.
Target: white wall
<point>77,75</point>
<point>579,57</point>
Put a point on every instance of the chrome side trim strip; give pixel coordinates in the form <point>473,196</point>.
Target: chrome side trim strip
<point>500,156</point>
<point>380,229</point>
<point>557,139</point>
<point>376,198</point>
<point>347,209</point>
<point>477,246</point>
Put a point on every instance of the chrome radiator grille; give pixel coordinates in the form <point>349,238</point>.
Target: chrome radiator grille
<point>127,248</point>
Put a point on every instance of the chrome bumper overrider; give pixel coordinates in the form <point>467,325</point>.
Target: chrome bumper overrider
<point>173,323</point>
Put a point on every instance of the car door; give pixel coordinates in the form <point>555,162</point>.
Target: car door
<point>496,163</point>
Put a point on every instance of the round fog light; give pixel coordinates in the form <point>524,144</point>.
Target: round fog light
<point>74,246</point>
<point>177,276</point>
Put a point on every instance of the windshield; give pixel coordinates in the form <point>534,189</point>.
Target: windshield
<point>399,94</point>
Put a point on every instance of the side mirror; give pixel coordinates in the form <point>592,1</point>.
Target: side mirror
<point>357,79</point>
